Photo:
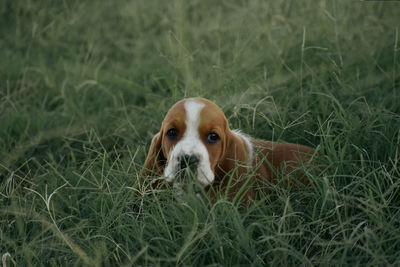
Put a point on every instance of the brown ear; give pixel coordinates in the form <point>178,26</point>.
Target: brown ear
<point>155,161</point>
<point>235,159</point>
<point>235,152</point>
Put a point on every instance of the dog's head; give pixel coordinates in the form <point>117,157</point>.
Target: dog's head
<point>195,141</point>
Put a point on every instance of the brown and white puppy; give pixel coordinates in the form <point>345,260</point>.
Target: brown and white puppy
<point>195,137</point>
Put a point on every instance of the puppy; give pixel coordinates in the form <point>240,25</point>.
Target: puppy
<point>195,147</point>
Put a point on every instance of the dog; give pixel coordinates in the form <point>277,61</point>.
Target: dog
<point>196,147</point>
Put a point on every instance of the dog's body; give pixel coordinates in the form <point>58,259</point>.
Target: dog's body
<point>195,138</point>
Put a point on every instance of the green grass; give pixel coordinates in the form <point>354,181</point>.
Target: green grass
<point>84,85</point>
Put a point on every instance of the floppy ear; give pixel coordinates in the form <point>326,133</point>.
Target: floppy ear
<point>155,161</point>
<point>236,154</point>
<point>235,163</point>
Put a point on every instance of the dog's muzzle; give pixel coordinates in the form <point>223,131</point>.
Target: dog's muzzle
<point>187,161</point>
<point>188,165</point>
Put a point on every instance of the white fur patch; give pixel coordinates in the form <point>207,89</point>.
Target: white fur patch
<point>191,145</point>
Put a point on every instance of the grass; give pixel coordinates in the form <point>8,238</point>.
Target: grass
<point>85,84</point>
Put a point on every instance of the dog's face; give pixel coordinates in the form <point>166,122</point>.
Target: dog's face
<point>191,142</point>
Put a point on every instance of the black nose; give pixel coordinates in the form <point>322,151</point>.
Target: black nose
<point>188,161</point>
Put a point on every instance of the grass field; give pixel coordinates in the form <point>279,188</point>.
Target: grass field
<point>84,86</point>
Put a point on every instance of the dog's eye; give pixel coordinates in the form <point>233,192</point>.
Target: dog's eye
<point>212,138</point>
<point>172,133</point>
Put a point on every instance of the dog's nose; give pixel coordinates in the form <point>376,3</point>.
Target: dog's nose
<point>188,161</point>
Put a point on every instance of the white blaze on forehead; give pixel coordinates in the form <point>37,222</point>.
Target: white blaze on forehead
<point>193,109</point>
<point>191,145</point>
